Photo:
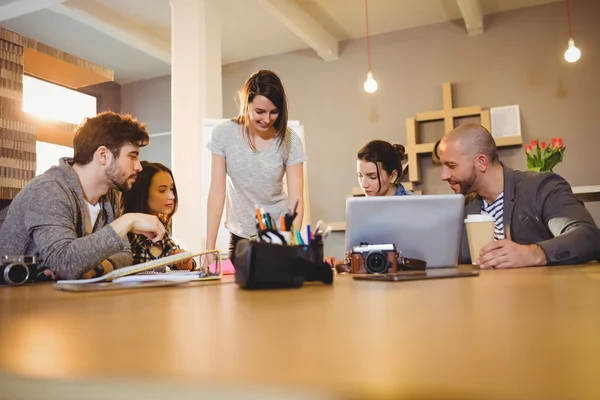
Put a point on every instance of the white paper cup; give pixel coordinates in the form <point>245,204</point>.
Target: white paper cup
<point>480,231</point>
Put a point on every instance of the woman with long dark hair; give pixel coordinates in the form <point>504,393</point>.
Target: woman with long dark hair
<point>379,171</point>
<point>154,192</point>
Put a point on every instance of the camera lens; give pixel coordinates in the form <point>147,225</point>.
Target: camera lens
<point>16,274</point>
<point>376,263</point>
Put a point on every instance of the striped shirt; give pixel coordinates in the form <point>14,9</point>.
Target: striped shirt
<point>496,210</point>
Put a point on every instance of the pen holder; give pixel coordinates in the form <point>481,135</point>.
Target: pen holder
<point>262,265</point>
<point>311,252</point>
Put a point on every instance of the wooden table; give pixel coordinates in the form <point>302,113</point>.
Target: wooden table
<point>528,333</point>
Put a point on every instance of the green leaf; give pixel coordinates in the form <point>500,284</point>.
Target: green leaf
<point>562,152</point>
<point>551,161</point>
<point>530,162</point>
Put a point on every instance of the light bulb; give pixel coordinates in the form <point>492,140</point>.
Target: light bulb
<point>573,53</point>
<point>370,83</point>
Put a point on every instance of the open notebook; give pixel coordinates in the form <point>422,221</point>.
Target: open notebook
<point>161,262</point>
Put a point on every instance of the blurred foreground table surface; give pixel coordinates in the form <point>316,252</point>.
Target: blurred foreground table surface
<point>527,333</point>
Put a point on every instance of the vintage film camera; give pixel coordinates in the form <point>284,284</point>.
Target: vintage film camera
<point>17,270</point>
<point>378,259</point>
<point>374,259</point>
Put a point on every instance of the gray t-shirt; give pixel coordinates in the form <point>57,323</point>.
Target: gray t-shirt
<point>254,178</point>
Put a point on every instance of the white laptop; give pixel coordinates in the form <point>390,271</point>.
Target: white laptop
<point>427,227</point>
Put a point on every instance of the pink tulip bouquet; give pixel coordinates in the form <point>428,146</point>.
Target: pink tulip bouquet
<point>541,157</point>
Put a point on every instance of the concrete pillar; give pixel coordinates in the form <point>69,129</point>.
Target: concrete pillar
<point>196,94</point>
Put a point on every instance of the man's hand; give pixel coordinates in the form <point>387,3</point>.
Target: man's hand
<point>49,273</point>
<point>143,224</point>
<point>507,254</point>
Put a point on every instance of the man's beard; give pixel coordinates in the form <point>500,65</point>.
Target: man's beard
<point>117,179</point>
<point>466,185</point>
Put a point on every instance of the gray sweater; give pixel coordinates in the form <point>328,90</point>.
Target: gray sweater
<point>50,218</point>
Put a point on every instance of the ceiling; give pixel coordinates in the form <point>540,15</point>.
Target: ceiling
<point>132,37</point>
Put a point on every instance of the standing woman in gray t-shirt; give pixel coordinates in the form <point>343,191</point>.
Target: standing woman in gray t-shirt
<point>251,154</point>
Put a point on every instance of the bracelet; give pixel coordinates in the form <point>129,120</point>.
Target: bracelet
<point>112,263</point>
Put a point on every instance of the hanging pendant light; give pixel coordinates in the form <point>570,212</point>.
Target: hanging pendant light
<point>370,84</point>
<point>573,53</point>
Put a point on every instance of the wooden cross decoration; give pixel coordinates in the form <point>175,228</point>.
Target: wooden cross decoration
<point>447,114</point>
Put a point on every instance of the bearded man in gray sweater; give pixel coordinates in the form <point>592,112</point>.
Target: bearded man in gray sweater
<point>70,215</point>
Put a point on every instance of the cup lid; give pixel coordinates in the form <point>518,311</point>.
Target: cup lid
<point>479,218</point>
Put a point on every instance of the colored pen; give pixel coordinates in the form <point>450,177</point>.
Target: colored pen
<point>308,234</point>
<point>267,218</point>
<point>282,223</point>
<point>298,237</point>
<point>259,219</point>
<point>263,218</point>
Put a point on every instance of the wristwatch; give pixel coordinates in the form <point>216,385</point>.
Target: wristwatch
<point>99,270</point>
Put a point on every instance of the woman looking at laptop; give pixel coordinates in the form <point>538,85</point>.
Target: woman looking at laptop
<point>379,171</point>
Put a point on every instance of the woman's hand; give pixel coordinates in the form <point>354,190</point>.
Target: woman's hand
<point>207,260</point>
<point>186,264</point>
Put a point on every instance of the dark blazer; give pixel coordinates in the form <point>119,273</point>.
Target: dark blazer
<point>541,208</point>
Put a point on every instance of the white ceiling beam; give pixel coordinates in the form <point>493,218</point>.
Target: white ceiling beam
<point>18,8</point>
<point>297,20</point>
<point>110,23</point>
<point>473,16</point>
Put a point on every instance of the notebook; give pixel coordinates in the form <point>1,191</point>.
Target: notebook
<point>103,286</point>
<point>174,276</point>
<point>135,269</point>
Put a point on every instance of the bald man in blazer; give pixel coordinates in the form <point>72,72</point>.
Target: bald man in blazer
<point>538,220</point>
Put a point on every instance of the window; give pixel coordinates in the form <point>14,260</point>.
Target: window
<point>48,101</point>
